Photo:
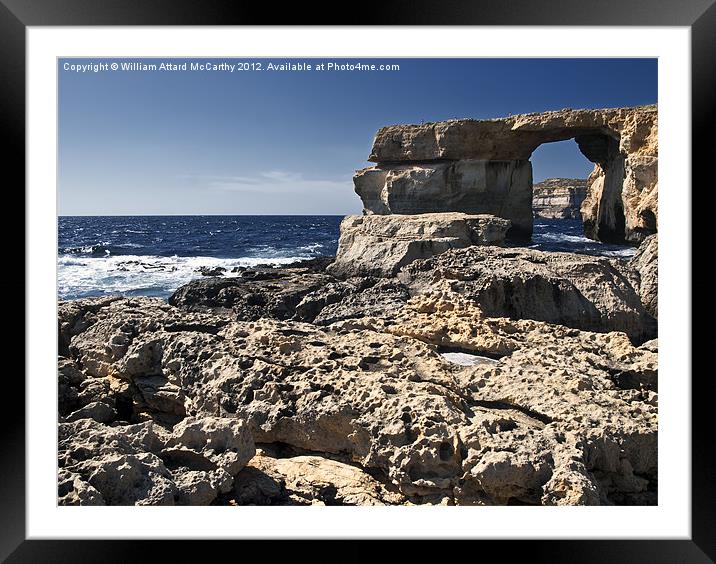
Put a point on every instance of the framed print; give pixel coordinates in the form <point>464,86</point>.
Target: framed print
<point>351,282</point>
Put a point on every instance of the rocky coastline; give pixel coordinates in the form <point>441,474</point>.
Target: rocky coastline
<point>430,362</point>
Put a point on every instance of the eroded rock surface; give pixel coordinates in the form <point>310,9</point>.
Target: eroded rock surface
<point>352,298</point>
<point>257,292</point>
<point>145,464</point>
<point>585,292</point>
<point>562,417</point>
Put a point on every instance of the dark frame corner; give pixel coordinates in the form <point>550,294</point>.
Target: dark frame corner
<point>699,15</point>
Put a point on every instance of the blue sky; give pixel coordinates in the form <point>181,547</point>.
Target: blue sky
<point>264,142</point>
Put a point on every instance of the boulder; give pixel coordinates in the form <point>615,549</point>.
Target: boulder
<point>211,270</point>
<point>378,245</point>
<point>227,443</point>
<point>308,480</point>
<point>97,410</point>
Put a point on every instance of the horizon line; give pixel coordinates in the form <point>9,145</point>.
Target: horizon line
<point>204,215</point>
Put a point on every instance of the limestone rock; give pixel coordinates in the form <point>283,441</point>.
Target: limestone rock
<point>97,410</point>
<point>145,465</point>
<point>646,264</point>
<point>510,138</point>
<point>69,378</point>
<point>352,298</point>
<point>82,396</point>
<point>127,375</point>
<point>116,462</point>
<point>621,203</point>
<point>377,245</point>
<point>374,410</point>
<point>72,490</point>
<point>559,198</point>
<point>258,292</point>
<point>227,443</point>
<point>500,188</point>
<point>200,487</point>
<point>453,322</point>
<point>590,293</point>
<point>308,480</point>
<point>75,316</point>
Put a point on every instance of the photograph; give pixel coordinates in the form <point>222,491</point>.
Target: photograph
<point>357,281</point>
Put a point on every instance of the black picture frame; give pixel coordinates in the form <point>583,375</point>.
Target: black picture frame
<point>17,15</point>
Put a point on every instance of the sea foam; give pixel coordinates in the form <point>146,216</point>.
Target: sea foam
<point>79,277</point>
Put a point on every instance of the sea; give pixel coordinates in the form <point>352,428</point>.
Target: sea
<point>154,255</point>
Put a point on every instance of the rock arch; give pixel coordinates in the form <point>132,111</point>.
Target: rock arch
<point>482,166</point>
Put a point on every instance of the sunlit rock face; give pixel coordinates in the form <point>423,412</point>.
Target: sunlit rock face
<point>380,245</point>
<point>500,188</point>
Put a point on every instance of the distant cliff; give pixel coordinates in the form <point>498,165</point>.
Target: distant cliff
<point>559,198</point>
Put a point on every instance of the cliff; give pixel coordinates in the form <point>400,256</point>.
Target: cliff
<point>559,198</point>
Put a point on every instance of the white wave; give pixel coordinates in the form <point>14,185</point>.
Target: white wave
<point>87,249</point>
<point>561,238</point>
<point>626,252</point>
<point>141,275</point>
<point>310,247</point>
<point>269,252</point>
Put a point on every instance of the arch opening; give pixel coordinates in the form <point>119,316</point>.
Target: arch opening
<point>601,209</point>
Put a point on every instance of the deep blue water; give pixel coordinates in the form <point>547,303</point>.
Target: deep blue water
<point>189,236</point>
<point>567,235</point>
<point>154,255</point>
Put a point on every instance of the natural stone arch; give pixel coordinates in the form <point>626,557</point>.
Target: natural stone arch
<point>482,166</point>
